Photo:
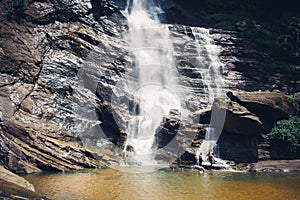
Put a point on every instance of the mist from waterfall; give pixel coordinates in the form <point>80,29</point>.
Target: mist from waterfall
<point>156,79</point>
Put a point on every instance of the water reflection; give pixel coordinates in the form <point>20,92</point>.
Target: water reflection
<point>165,185</point>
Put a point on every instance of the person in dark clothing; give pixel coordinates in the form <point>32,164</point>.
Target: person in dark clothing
<point>200,159</point>
<point>210,157</point>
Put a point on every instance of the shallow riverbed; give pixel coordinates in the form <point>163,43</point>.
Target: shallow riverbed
<point>166,184</point>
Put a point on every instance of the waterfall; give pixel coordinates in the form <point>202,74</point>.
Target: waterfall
<point>151,83</point>
<point>210,66</point>
<point>154,69</point>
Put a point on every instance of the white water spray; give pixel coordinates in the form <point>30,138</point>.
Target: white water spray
<point>154,91</point>
<point>210,66</point>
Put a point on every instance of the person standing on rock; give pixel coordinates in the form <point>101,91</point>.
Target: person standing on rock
<point>210,157</point>
<point>200,159</point>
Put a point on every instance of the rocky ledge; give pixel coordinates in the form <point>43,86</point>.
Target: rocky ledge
<point>16,187</point>
<point>275,166</point>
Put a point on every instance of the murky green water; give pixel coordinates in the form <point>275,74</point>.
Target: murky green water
<point>165,185</point>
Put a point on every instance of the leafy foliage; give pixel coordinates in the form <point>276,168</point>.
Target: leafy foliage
<point>286,133</point>
<point>296,103</point>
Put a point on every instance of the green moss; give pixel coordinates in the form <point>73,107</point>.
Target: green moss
<point>225,25</point>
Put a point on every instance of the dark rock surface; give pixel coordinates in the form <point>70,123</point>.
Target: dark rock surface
<point>275,166</point>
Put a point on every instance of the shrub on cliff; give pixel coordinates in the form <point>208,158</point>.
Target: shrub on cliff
<point>286,134</point>
<point>296,103</point>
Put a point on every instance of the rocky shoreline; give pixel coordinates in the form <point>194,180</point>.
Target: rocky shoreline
<point>270,166</point>
<point>267,166</point>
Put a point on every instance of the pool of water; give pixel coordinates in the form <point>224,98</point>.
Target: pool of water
<point>165,184</point>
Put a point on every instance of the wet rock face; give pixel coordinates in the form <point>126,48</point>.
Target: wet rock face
<point>168,129</point>
<point>46,110</point>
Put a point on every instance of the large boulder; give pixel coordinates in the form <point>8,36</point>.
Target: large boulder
<point>10,177</point>
<point>239,120</point>
<point>16,187</point>
<point>268,106</point>
<point>168,129</point>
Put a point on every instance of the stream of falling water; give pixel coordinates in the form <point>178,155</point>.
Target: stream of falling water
<point>210,68</point>
<point>154,90</point>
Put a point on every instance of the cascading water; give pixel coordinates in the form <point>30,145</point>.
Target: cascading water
<point>156,79</point>
<point>153,86</point>
<point>210,67</point>
<point>208,56</point>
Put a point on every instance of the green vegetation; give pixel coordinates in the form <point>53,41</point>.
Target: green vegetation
<point>225,19</point>
<point>286,134</point>
<point>16,8</point>
<point>296,103</point>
